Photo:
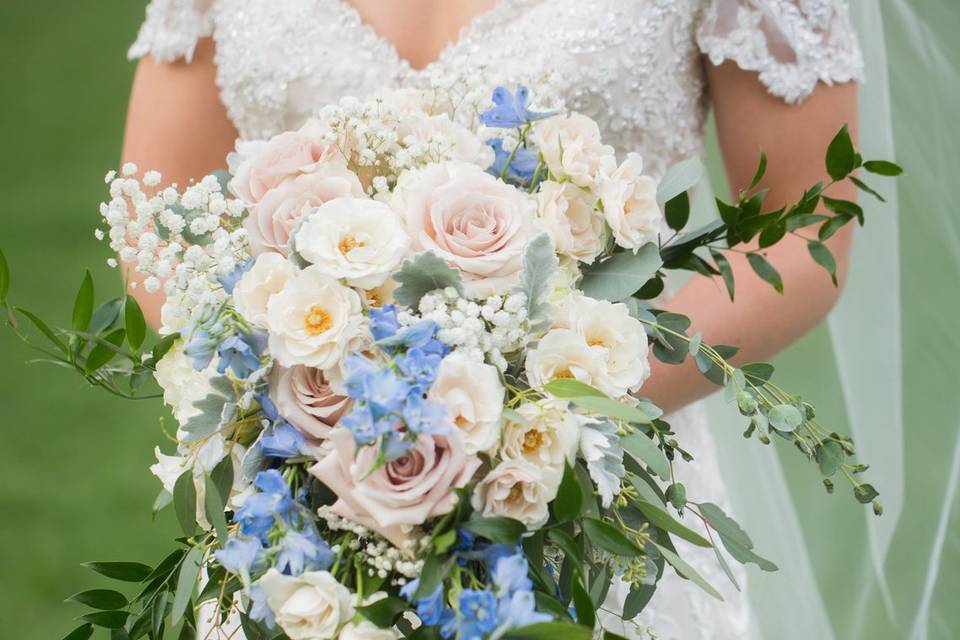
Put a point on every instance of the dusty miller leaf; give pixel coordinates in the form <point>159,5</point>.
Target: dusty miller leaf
<point>539,266</point>
<point>601,448</point>
<point>421,274</point>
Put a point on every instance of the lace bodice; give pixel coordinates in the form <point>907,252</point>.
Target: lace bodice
<point>635,66</point>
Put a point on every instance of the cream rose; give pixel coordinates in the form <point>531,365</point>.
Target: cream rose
<point>519,490</point>
<point>630,204</point>
<point>475,222</point>
<point>572,147</point>
<point>312,320</point>
<point>366,630</point>
<point>570,217</point>
<point>267,276</point>
<point>400,494</point>
<point>547,438</point>
<point>563,353</point>
<point>359,240</point>
<point>279,212</point>
<point>311,606</point>
<point>615,336</point>
<point>182,384</point>
<point>304,399</point>
<point>473,396</point>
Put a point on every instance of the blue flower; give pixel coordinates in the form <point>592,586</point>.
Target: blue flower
<point>395,445</point>
<point>260,609</point>
<point>241,354</point>
<point>510,110</point>
<point>521,167</point>
<point>510,575</point>
<point>282,441</point>
<point>493,552</point>
<point>303,551</point>
<point>519,610</point>
<point>242,556</point>
<point>201,348</point>
<point>385,392</point>
<point>419,334</point>
<point>421,365</point>
<point>230,280</point>
<point>360,368</point>
<point>478,610</point>
<point>259,512</point>
<point>423,416</point>
<point>383,322</point>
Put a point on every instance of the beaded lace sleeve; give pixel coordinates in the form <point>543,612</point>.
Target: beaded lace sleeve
<point>792,44</point>
<point>172,28</point>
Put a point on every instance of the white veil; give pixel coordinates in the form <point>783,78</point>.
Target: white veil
<point>844,572</point>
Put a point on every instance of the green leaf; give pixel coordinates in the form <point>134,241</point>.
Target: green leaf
<point>589,499</point>
<point>100,599</point>
<point>723,266</point>
<point>831,226</point>
<point>829,457</point>
<point>421,274</point>
<point>83,305</point>
<point>620,276</point>
<point>841,156</point>
<point>761,170</point>
<point>612,409</point>
<point>735,540</point>
<point>431,575</point>
<point>804,220</point>
<point>186,583</point>
<point>570,388</point>
<point>865,493</point>
<point>222,476</point>
<point>882,167</point>
<point>863,186</point>
<point>384,612</point>
<point>785,417</point>
<point>726,568</point>
<point>134,322</point>
<point>43,328</point>
<point>107,619</point>
<point>663,520</point>
<point>551,631</point>
<point>679,178</point>
<point>636,600</point>
<point>83,632</point>
<point>4,278</point>
<point>158,612</point>
<point>105,316</point>
<point>772,235</point>
<point>822,256</point>
<point>687,571</point>
<point>609,538</point>
<point>671,348</point>
<point>123,571</point>
<point>540,263</point>
<point>185,502</point>
<point>562,539</point>
<point>645,450</point>
<point>677,211</point>
<point>213,507</point>
<point>101,354</point>
<point>566,506</point>
<point>844,207</point>
<point>583,605</point>
<point>765,270</point>
<point>497,529</point>
<point>164,345</point>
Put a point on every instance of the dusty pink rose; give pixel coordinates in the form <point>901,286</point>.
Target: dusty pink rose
<point>401,494</point>
<point>283,156</point>
<point>276,216</point>
<point>475,222</point>
<point>304,399</point>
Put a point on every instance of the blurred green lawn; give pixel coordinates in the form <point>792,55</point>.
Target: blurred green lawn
<point>73,479</point>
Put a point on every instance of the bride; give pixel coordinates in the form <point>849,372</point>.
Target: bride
<point>778,74</point>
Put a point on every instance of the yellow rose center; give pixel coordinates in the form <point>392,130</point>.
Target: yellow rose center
<point>348,243</point>
<point>516,493</point>
<point>596,342</point>
<point>532,440</point>
<point>564,374</point>
<point>317,320</point>
<point>460,421</point>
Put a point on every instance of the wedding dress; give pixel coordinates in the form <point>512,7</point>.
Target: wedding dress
<point>636,67</point>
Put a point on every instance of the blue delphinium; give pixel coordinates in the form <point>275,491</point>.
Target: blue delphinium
<point>510,110</point>
<point>383,322</point>
<point>260,609</point>
<point>519,169</point>
<point>241,353</point>
<point>260,511</point>
<point>229,281</point>
<point>281,440</point>
<point>478,613</point>
<point>242,556</point>
<point>303,551</point>
<point>237,346</point>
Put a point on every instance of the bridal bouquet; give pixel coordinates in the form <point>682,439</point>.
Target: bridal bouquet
<point>405,349</point>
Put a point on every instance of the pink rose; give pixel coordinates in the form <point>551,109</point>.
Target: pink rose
<point>283,156</point>
<point>304,399</point>
<point>475,222</point>
<point>400,494</point>
<point>276,216</point>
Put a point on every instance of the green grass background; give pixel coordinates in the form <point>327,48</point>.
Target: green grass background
<point>74,484</point>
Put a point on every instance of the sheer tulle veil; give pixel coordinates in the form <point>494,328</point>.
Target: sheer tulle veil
<point>853,575</point>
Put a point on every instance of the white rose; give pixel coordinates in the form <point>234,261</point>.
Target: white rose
<point>312,320</point>
<point>563,353</point>
<point>571,147</point>
<point>547,438</point>
<point>266,277</point>
<point>570,217</point>
<point>357,239</point>
<point>311,606</point>
<point>565,281</point>
<point>519,490</point>
<point>476,223</point>
<point>617,338</point>
<point>473,396</point>
<point>630,204</point>
<point>366,630</point>
<point>182,384</point>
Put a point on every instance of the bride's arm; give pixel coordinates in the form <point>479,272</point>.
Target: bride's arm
<point>761,321</point>
<point>177,125</point>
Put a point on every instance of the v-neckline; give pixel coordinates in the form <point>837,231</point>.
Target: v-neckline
<point>464,34</point>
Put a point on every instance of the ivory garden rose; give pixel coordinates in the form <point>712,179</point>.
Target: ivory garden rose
<point>473,396</point>
<point>630,204</point>
<point>569,216</point>
<point>517,489</point>
<point>311,606</point>
<point>268,275</point>
<point>572,148</point>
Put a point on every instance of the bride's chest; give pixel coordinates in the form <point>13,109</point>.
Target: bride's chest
<point>633,65</point>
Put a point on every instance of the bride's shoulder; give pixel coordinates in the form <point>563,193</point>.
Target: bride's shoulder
<point>171,29</point>
<point>793,44</point>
